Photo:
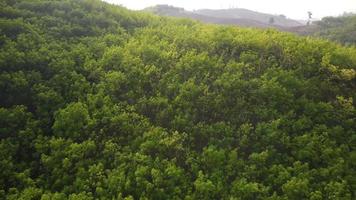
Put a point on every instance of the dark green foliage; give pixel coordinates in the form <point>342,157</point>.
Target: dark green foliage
<point>99,102</point>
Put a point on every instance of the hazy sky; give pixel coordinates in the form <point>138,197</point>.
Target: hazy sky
<point>296,9</point>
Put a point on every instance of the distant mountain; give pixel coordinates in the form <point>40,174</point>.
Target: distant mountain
<point>240,13</point>
<point>235,16</point>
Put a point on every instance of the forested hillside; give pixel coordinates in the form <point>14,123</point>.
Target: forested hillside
<point>342,29</point>
<point>99,102</point>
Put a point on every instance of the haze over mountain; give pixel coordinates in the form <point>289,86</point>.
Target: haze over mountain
<point>241,13</point>
<point>233,16</point>
<point>295,9</point>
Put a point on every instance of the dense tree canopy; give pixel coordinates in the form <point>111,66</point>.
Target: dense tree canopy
<point>99,102</point>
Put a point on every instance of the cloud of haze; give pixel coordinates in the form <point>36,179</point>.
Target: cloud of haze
<point>296,9</point>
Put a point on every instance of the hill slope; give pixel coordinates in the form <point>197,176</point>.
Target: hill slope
<point>99,102</point>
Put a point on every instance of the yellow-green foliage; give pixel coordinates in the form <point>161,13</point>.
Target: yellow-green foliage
<point>99,102</point>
